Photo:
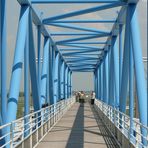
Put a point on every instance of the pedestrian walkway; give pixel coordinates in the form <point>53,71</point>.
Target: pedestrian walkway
<point>80,127</point>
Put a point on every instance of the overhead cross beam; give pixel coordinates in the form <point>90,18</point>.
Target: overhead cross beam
<point>85,51</point>
<point>72,1</point>
<point>81,55</point>
<point>77,28</point>
<point>81,46</point>
<point>84,21</point>
<point>72,34</point>
<point>82,38</point>
<point>84,11</point>
<point>92,42</point>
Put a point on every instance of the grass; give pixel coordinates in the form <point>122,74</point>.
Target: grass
<point>20,110</point>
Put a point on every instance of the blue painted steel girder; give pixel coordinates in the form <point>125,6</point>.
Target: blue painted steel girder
<point>82,55</point>
<point>75,27</point>
<point>139,67</point>
<point>56,83</point>
<point>80,46</point>
<point>62,79</point>
<point>86,43</point>
<point>3,50</point>
<point>17,64</point>
<point>86,52</point>
<point>72,1</point>
<point>72,34</point>
<point>44,71</point>
<point>84,11</point>
<point>83,63</point>
<point>82,38</point>
<point>81,50</point>
<point>84,21</point>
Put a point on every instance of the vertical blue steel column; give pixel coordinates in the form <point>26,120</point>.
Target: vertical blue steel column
<point>125,69</point>
<point>94,77</point>
<point>71,84</point>
<point>62,80</point>
<point>44,71</point>
<point>66,84</point>
<point>3,59</point>
<point>120,54</point>
<point>64,92</point>
<point>56,95</point>
<point>17,64</point>
<point>102,98</point>
<point>131,90</point>
<point>59,77</point>
<point>111,79</point>
<point>106,79</point>
<point>32,66</point>
<point>48,86</point>
<point>39,56</point>
<point>98,81</point>
<point>51,75</point>
<point>116,70</point>
<point>139,68</point>
<point>109,51</point>
<point>26,84</point>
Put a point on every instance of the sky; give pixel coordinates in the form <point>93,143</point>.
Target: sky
<point>81,81</point>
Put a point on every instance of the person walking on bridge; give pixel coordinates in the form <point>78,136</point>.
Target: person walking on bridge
<point>93,96</point>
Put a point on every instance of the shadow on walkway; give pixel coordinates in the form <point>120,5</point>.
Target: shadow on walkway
<point>108,138</point>
<point>76,138</point>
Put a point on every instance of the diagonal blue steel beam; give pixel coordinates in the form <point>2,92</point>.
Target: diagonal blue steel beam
<point>82,46</point>
<point>81,64</point>
<point>77,50</point>
<point>71,34</point>
<point>84,11</point>
<point>93,42</point>
<point>84,21</point>
<point>69,26</point>
<point>86,51</point>
<point>84,58</point>
<point>82,68</point>
<point>72,1</point>
<point>80,61</point>
<point>82,38</point>
<point>17,64</point>
<point>81,49</point>
<point>81,55</point>
<point>90,70</point>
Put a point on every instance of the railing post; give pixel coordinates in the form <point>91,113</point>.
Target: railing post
<point>11,134</point>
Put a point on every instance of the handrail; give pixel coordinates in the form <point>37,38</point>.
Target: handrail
<point>23,127</point>
<point>122,122</point>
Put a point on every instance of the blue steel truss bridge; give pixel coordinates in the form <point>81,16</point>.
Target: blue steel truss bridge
<point>96,36</point>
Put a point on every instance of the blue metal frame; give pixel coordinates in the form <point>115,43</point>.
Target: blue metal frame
<point>112,70</point>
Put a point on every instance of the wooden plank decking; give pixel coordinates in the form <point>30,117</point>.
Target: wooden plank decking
<point>80,127</point>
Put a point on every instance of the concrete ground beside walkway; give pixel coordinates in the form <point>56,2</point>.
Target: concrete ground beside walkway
<point>80,127</point>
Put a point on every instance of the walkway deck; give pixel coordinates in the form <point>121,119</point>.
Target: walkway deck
<point>79,128</point>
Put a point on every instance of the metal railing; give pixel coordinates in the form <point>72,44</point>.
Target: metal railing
<point>17,131</point>
<point>132,129</point>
